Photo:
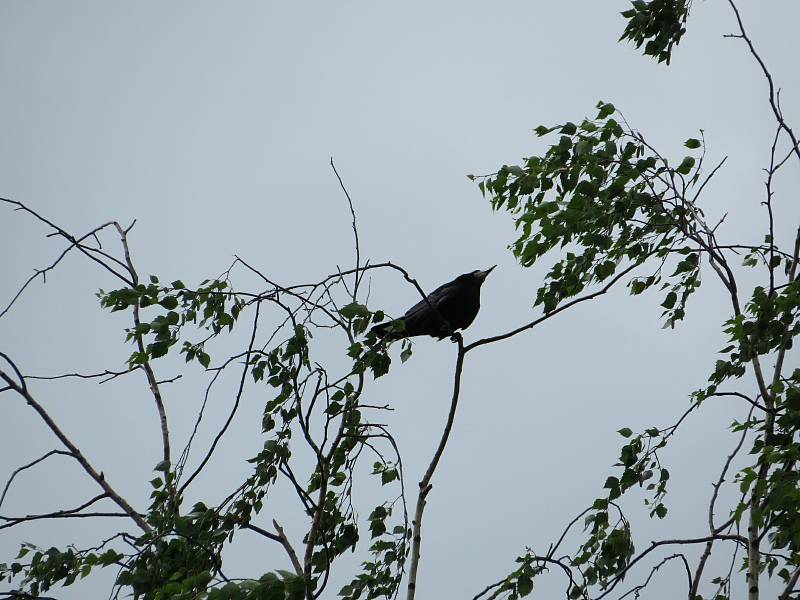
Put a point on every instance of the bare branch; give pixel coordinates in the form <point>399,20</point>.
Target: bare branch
<point>554,312</point>
<point>75,243</point>
<point>22,390</point>
<point>71,513</point>
<point>235,407</point>
<point>637,589</point>
<point>653,545</point>
<point>28,466</point>
<point>281,538</point>
<point>773,101</point>
<point>358,274</point>
<point>298,568</point>
<point>746,398</point>
<point>425,483</point>
<point>108,375</point>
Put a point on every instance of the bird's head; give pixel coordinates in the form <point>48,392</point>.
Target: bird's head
<point>477,276</point>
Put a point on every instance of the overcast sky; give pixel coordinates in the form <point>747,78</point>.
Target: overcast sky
<point>213,124</point>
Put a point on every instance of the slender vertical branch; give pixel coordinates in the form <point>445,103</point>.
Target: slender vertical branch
<point>713,530</point>
<point>776,375</point>
<point>425,485</point>
<point>358,273</point>
<point>770,174</point>
<point>753,551</point>
<point>148,369</point>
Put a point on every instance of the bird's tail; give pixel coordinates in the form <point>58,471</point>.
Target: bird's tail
<point>382,330</point>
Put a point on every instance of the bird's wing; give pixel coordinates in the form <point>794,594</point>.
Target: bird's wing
<point>436,298</point>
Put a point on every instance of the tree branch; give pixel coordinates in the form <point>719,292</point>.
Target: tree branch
<point>28,466</point>
<point>148,369</point>
<point>22,390</point>
<point>235,407</point>
<point>71,513</point>
<point>563,307</point>
<point>772,95</point>
<point>425,483</point>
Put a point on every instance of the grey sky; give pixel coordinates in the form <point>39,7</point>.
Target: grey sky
<point>213,124</point>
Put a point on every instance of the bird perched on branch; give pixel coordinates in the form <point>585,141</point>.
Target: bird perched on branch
<point>448,308</point>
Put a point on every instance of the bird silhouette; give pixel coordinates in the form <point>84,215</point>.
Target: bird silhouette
<point>457,304</point>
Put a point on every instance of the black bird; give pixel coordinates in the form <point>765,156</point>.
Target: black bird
<point>456,302</point>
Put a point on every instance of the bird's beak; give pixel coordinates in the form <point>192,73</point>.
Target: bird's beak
<point>485,274</point>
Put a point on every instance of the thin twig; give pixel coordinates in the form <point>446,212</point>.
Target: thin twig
<point>772,97</point>
<point>28,466</point>
<point>234,408</point>
<point>359,274</point>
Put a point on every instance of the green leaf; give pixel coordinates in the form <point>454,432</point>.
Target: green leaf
<point>169,302</point>
<point>158,349</point>
<point>354,309</point>
<point>669,301</point>
<point>405,354</point>
<point>524,585</point>
<point>692,143</point>
<point>686,165</point>
<point>625,432</point>
<point>606,109</point>
<point>569,128</point>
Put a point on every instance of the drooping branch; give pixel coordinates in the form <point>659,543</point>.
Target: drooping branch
<point>654,545</point>
<point>28,466</point>
<point>636,590</point>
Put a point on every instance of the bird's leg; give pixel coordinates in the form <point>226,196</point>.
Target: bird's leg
<point>456,337</point>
